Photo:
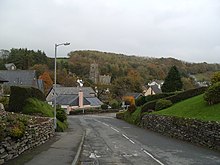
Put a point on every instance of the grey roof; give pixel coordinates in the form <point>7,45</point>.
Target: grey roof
<point>94,101</point>
<point>2,80</point>
<point>87,91</point>
<point>72,100</point>
<point>20,78</point>
<point>9,65</point>
<point>156,89</point>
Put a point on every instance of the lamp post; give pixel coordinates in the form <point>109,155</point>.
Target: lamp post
<point>55,82</point>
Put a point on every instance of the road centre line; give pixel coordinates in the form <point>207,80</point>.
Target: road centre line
<point>153,157</point>
<point>115,129</point>
<point>131,141</point>
<point>105,124</point>
<point>125,136</point>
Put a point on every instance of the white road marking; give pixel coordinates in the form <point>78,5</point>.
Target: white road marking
<point>115,129</point>
<point>128,139</point>
<point>105,124</point>
<point>131,141</point>
<point>153,157</point>
<point>125,136</point>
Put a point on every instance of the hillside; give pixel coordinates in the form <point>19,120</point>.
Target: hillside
<point>194,107</point>
<point>118,65</point>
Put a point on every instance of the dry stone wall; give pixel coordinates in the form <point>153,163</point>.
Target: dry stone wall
<point>194,131</point>
<point>35,135</point>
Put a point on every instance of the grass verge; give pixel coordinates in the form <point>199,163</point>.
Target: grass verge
<point>195,108</point>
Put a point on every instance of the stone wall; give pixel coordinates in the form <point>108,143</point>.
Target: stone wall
<point>194,131</point>
<point>35,135</point>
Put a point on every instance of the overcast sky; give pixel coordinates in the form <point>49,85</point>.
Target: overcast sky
<point>184,29</point>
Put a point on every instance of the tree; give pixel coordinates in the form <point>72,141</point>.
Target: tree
<point>212,94</point>
<point>215,78</point>
<point>48,83</point>
<point>173,81</point>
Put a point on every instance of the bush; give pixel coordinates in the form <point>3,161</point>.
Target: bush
<point>212,95</point>
<point>20,94</point>
<point>61,114</point>
<point>180,96</point>
<point>186,94</point>
<point>140,101</point>
<point>133,118</point>
<point>61,126</point>
<point>4,101</point>
<point>120,115</point>
<point>162,104</point>
<point>132,108</point>
<point>144,99</point>
<point>104,106</point>
<point>114,104</point>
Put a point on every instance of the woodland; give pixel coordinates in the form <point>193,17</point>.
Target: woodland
<point>128,73</point>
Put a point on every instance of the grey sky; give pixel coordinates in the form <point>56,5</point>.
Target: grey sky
<point>184,29</point>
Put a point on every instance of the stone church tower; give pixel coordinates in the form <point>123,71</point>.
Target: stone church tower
<point>94,73</point>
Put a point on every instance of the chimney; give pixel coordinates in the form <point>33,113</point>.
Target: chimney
<point>80,99</point>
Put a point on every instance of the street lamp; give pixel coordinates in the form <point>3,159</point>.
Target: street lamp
<point>55,82</point>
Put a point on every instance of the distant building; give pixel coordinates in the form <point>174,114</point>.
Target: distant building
<point>153,87</point>
<point>96,78</point>
<point>72,98</point>
<point>26,78</point>
<point>4,54</point>
<point>10,66</point>
<point>94,73</point>
<point>105,79</point>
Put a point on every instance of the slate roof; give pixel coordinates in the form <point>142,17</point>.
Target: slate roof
<point>21,78</point>
<point>2,80</point>
<point>69,96</point>
<point>72,100</point>
<point>156,89</point>
<point>87,91</point>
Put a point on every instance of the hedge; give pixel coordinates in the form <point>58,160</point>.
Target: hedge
<point>20,94</point>
<point>150,106</point>
<point>144,99</point>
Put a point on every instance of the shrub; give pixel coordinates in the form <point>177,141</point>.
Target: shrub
<point>212,95</point>
<point>104,106</point>
<point>140,101</point>
<point>120,115</point>
<point>61,126</point>
<point>162,104</point>
<point>114,104</point>
<point>61,114</point>
<point>133,118</point>
<point>144,99</point>
<point>186,94</point>
<point>4,101</point>
<point>16,132</point>
<point>20,94</point>
<point>132,108</point>
<point>158,96</point>
<point>180,96</point>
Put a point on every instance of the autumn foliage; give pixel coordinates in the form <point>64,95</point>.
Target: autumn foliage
<point>48,83</point>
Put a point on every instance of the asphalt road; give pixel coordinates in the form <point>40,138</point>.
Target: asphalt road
<point>112,141</point>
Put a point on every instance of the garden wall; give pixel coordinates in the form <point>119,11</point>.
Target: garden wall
<point>194,131</point>
<point>35,135</point>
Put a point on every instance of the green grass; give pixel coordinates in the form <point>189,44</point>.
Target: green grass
<point>195,108</point>
<point>35,106</point>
